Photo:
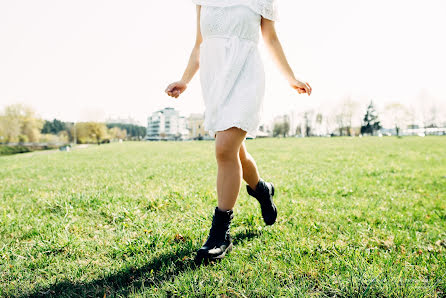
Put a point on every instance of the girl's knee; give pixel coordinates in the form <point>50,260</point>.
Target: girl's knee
<point>224,153</point>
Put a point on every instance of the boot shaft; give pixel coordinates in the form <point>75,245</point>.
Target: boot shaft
<point>262,191</point>
<point>222,218</point>
<point>220,229</point>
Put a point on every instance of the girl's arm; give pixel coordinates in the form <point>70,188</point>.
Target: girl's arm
<point>275,48</point>
<point>176,88</point>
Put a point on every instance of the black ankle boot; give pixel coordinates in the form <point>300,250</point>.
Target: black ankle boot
<point>219,241</point>
<point>264,194</point>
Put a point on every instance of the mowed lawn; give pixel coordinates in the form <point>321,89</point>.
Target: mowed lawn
<point>356,216</point>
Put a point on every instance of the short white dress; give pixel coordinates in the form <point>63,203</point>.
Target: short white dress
<point>232,75</point>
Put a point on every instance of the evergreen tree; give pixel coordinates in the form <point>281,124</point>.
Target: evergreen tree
<point>53,127</point>
<point>371,122</point>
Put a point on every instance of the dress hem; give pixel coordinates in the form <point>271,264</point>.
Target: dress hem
<point>249,132</point>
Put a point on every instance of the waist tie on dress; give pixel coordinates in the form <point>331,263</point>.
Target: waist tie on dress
<point>237,52</point>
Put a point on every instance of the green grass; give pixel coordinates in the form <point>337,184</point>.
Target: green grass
<point>357,216</point>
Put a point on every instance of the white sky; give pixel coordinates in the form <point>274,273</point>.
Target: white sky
<point>88,60</point>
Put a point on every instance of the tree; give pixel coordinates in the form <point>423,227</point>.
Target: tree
<point>53,127</point>
<point>398,114</point>
<point>371,122</point>
<point>132,131</point>
<point>282,127</point>
<point>340,124</point>
<point>286,128</point>
<point>318,124</point>
<point>429,109</point>
<point>90,132</point>
<point>344,117</point>
<point>9,129</point>
<point>298,131</point>
<point>117,133</point>
<point>278,129</point>
<point>19,123</point>
<point>70,131</point>
<point>308,122</point>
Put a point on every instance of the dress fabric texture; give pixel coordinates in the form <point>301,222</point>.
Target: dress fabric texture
<point>232,75</point>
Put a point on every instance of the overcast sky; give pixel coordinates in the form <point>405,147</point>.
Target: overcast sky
<point>88,60</point>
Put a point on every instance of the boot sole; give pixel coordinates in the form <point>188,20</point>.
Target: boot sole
<point>200,259</point>
<point>228,249</point>
<point>274,206</point>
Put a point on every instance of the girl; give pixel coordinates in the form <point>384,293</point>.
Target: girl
<point>232,82</point>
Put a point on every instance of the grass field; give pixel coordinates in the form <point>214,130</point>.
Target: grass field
<point>357,216</point>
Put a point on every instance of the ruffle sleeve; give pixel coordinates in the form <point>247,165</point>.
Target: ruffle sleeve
<point>266,8</point>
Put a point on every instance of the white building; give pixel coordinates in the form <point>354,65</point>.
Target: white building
<point>166,124</point>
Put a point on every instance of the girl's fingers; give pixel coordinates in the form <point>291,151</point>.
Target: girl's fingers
<point>309,87</point>
<point>303,88</point>
<point>174,90</point>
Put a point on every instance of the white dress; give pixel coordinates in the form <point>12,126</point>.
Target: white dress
<point>232,76</point>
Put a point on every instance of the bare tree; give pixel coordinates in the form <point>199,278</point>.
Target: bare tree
<point>345,112</point>
<point>340,123</point>
<point>429,109</point>
<point>398,114</point>
<point>308,122</point>
<point>286,127</point>
<point>298,130</point>
<point>318,121</point>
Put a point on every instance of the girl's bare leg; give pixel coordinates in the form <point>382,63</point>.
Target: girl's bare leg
<point>250,172</point>
<point>229,177</point>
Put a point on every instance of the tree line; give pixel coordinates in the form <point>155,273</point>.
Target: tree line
<point>340,120</point>
<point>343,119</point>
<point>20,124</point>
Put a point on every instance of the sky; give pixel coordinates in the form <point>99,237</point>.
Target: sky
<point>91,60</point>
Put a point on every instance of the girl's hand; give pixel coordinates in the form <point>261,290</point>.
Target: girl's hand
<point>300,86</point>
<point>176,88</point>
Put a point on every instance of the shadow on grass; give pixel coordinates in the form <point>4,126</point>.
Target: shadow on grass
<point>161,269</point>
